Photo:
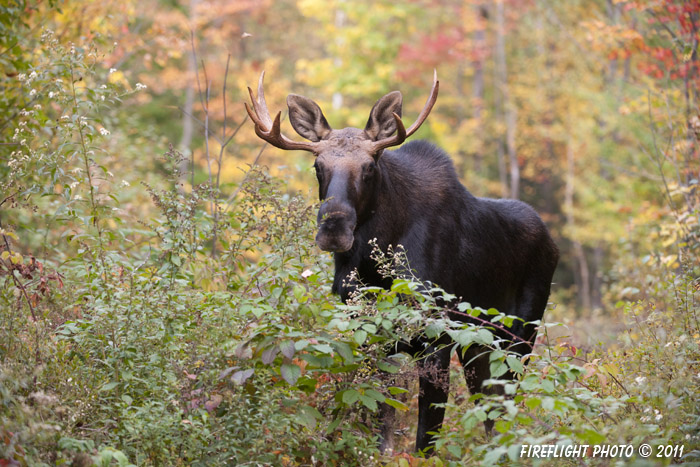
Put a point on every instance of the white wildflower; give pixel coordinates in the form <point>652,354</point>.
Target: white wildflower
<point>73,185</point>
<point>32,75</point>
<point>104,131</point>
<point>659,417</point>
<point>140,86</point>
<point>51,94</point>
<point>21,77</point>
<point>77,197</point>
<point>640,379</point>
<point>32,92</point>
<point>37,106</point>
<point>645,419</point>
<point>125,183</point>
<point>109,173</point>
<point>65,118</point>
<point>104,86</point>
<point>112,70</point>
<point>102,98</point>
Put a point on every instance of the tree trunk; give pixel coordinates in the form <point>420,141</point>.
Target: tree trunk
<point>478,83</point>
<point>507,111</point>
<point>583,274</point>
<point>187,164</point>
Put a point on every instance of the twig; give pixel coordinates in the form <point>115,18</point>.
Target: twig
<point>231,198</point>
<point>20,286</point>
<point>211,133</point>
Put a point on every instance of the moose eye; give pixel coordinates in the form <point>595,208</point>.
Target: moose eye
<point>369,171</point>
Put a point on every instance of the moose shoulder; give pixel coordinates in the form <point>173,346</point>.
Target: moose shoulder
<point>490,253</point>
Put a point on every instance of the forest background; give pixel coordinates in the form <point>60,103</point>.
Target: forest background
<point>162,300</point>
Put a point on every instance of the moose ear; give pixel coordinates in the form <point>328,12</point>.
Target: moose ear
<point>381,123</point>
<point>307,118</point>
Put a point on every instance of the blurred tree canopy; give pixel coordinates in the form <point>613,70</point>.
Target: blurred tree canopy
<point>575,107</point>
<point>161,297</point>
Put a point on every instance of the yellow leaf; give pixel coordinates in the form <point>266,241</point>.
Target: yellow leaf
<point>612,369</point>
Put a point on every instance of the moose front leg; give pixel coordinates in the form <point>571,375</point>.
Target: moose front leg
<point>434,389</point>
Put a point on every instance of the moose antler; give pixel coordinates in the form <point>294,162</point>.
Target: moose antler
<point>401,132</point>
<point>266,128</point>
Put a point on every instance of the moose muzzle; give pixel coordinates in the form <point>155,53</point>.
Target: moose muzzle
<point>336,230</point>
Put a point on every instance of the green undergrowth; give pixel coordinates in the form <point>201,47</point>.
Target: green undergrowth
<point>144,324</point>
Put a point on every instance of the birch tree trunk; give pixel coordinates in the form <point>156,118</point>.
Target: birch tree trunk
<point>507,111</point>
<point>187,164</point>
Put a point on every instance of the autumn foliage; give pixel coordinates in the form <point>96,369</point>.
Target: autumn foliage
<point>161,299</point>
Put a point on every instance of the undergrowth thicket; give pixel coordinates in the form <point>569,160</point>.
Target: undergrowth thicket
<point>125,340</point>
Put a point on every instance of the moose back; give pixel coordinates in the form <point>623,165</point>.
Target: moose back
<point>490,253</point>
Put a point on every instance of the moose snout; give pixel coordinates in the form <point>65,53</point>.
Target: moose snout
<point>336,231</point>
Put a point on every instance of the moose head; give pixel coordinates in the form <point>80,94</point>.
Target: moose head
<point>347,160</point>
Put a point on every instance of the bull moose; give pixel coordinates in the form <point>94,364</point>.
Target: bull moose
<point>491,253</point>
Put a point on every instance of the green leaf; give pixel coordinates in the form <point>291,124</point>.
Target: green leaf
<point>350,396</point>
<point>502,426</point>
<point>368,402</point>
<point>515,364</point>
<point>592,437</point>
<point>548,385</point>
<point>269,354</point>
<point>388,367</point>
<point>396,404</point>
<point>301,344</point>
<point>433,330</point>
<point>498,368</point>
<point>109,386</point>
<point>290,373</point>
<point>374,394</point>
<point>463,337</point>
<point>324,348</point>
<point>287,348</point>
<point>370,328</point>
<point>393,390</point>
<point>530,382</point>
<point>344,351</point>
<point>333,425</point>
<point>533,402</point>
<point>548,404</point>
<point>455,450</point>
<point>485,337</point>
<point>308,416</point>
<point>121,458</point>
<point>242,376</point>
<point>360,336</point>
